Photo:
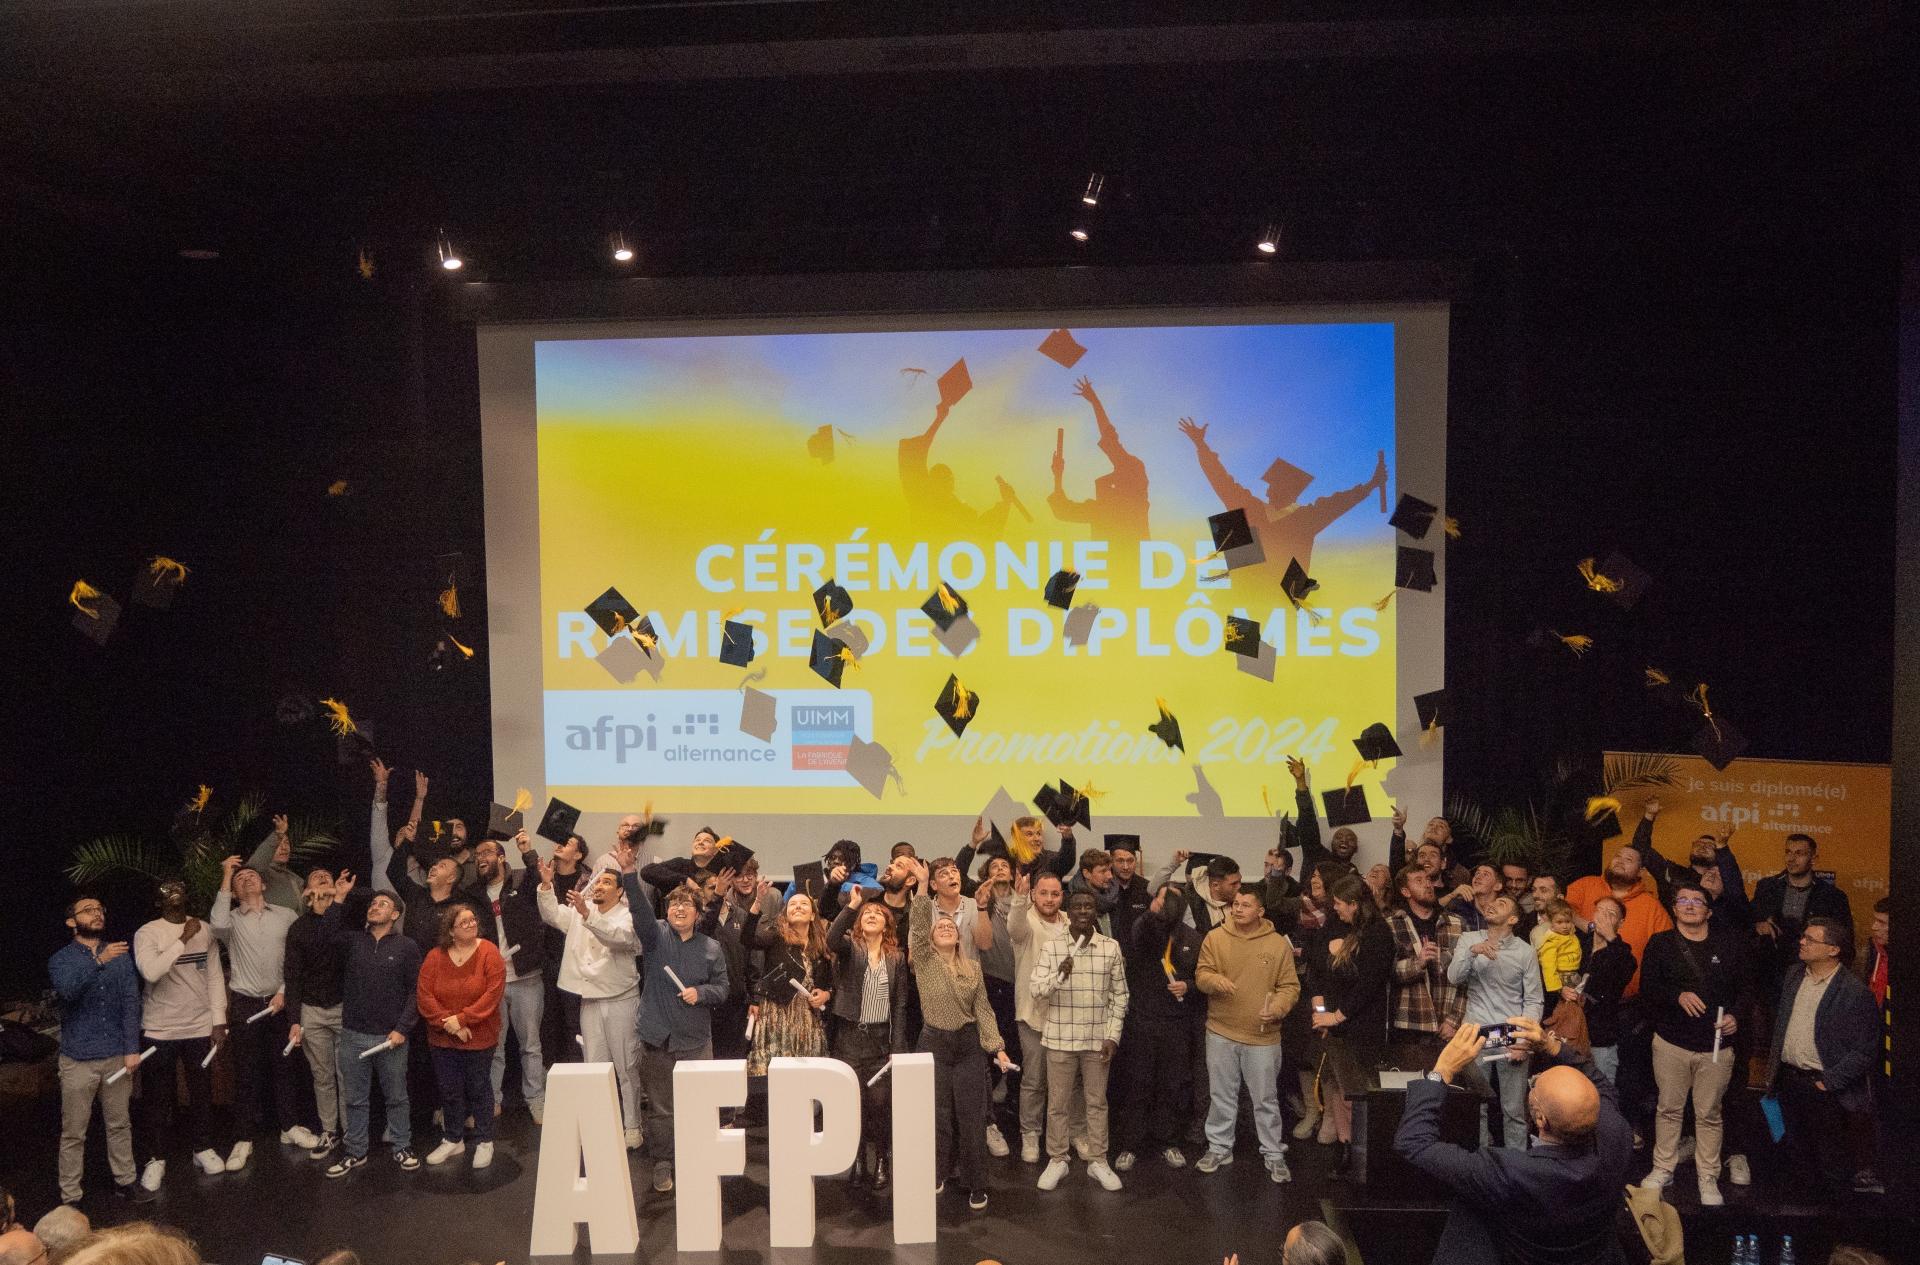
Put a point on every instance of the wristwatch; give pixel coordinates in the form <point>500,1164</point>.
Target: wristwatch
<point>1435,1076</point>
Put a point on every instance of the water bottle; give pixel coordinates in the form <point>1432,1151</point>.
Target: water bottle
<point>1786,1249</point>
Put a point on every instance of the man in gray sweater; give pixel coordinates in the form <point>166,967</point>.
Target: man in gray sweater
<point>1501,977</point>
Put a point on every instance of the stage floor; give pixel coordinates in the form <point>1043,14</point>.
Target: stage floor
<point>282,1203</point>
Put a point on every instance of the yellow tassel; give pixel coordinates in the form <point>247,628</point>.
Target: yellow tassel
<point>1265,802</point>
<point>450,601</point>
<point>948,601</point>
<point>82,597</point>
<point>161,566</point>
<point>962,704</point>
<point>646,812</point>
<point>466,651</point>
<point>1431,734</point>
<point>730,612</point>
<point>522,800</point>
<point>341,721</point>
<point>1381,605</point>
<point>1089,791</point>
<point>1354,772</point>
<point>436,830</point>
<point>200,799</point>
<point>1656,677</point>
<point>1599,805</point>
<point>1699,699</point>
<point>1450,525</point>
<point>1579,643</point>
<point>364,264</point>
<point>337,488</point>
<point>846,657</point>
<point>1166,958</point>
<point>1595,580</point>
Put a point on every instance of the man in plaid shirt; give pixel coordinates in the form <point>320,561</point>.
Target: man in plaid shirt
<point>1083,979</point>
<point>1426,1007</point>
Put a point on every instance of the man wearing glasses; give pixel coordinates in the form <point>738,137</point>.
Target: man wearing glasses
<point>99,994</point>
<point>1693,983</point>
<point>1825,1038</point>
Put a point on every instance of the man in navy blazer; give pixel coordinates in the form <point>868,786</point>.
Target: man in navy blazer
<point>1826,1037</point>
<point>1554,1202</point>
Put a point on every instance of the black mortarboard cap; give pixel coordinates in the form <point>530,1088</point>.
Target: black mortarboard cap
<point>653,828</point>
<point>355,747</point>
<point>1633,582</point>
<point>809,877</point>
<point>504,822</point>
<point>1234,539</point>
<point>1242,637</point>
<point>936,607</point>
<point>154,584</point>
<point>1043,800</point>
<point>1167,729</point>
<point>1719,743</point>
<point>957,705</point>
<point>1431,708</point>
<point>1413,516</point>
<point>1347,806</point>
<point>825,658</point>
<point>832,603</point>
<point>1060,587</point>
<point>1129,842</point>
<point>98,626</point>
<point>559,821</point>
<point>1296,584</point>
<point>736,643</point>
<point>611,612</point>
<point>1376,743</point>
<point>1074,808</point>
<point>1413,569</point>
<point>733,855</point>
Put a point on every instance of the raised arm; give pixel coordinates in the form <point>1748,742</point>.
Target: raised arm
<point>1307,828</point>
<point>920,928</point>
<point>837,933</point>
<point>646,928</point>
<point>1316,515</point>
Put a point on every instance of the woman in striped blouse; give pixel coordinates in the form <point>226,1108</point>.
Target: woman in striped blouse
<point>960,1032</point>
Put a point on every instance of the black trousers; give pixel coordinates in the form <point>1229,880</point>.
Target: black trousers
<point>560,1021</point>
<point>864,1048</point>
<point>960,1103</point>
<point>1000,995</point>
<point>1818,1141</point>
<point>257,1063</point>
<point>157,1093</point>
<point>1155,1096</point>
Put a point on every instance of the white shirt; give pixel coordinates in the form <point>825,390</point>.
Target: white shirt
<point>601,959</point>
<point>494,892</point>
<point>256,943</point>
<point>1798,1047</point>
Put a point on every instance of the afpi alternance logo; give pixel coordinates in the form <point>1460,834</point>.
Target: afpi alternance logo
<point>821,735</point>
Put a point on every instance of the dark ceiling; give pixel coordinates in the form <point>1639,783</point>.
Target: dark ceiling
<point>799,135</point>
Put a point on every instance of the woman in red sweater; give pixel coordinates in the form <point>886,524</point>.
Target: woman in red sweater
<point>461,983</point>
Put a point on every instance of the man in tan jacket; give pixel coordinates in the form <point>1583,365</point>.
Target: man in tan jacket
<point>1246,972</point>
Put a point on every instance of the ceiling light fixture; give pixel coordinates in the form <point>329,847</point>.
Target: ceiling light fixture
<point>1269,243</point>
<point>1095,183</point>
<point>449,258</point>
<point>1078,233</point>
<point>622,253</point>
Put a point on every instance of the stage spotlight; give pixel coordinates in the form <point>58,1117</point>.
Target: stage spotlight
<point>1095,183</point>
<point>449,258</point>
<point>1269,243</point>
<point>622,253</point>
<point>1077,233</point>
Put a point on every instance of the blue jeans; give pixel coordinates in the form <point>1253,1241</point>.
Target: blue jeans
<point>522,1010</point>
<point>356,1086</point>
<point>1607,1059</point>
<point>1507,1081</point>
<point>1229,1063</point>
<point>464,1090</point>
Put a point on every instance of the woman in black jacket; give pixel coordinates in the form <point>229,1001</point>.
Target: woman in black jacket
<point>1350,1003</point>
<point>1609,967</point>
<point>870,1013</point>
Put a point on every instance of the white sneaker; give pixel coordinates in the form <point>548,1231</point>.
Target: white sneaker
<point>482,1154</point>
<point>1081,1149</point>
<point>445,1151</point>
<point>1123,1162</point>
<point>1658,1177</point>
<point>237,1158</point>
<point>537,1109</point>
<point>1050,1177</point>
<point>1175,1157</point>
<point>1029,1148</point>
<point>209,1162</point>
<point>1099,1171</point>
<point>1308,1124</point>
<point>996,1142</point>
<point>1710,1196</point>
<point>299,1135</point>
<point>633,1139</point>
<point>154,1173</point>
<point>1737,1171</point>
<point>1213,1161</point>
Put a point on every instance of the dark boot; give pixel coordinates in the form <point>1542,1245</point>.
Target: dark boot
<point>1343,1167</point>
<point>880,1170</point>
<point>862,1169</point>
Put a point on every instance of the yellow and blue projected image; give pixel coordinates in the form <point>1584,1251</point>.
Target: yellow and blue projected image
<point>890,509</point>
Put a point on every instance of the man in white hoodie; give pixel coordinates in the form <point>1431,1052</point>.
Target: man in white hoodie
<point>600,966</point>
<point>182,1016</point>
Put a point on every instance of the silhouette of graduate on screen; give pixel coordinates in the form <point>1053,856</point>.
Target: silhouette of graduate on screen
<point>1286,527</point>
<point>931,500</point>
<point>1118,510</point>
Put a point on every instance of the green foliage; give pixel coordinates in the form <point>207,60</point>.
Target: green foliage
<point>1627,770</point>
<point>194,849</point>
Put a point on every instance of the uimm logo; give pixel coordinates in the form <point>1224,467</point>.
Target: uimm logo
<point>821,736</point>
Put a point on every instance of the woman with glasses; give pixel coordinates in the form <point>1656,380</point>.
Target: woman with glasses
<point>461,984</point>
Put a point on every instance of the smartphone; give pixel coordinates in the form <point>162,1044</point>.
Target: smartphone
<point>1498,1034</point>
<point>271,1259</point>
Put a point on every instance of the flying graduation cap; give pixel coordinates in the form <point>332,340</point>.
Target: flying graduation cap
<point>736,643</point>
<point>828,658</point>
<point>1413,569</point>
<point>558,822</point>
<point>1242,637</point>
<point>1347,806</point>
<point>99,613</point>
<point>504,821</point>
<point>611,612</point>
<point>155,583</point>
<point>1413,516</point>
<point>832,603</point>
<point>1376,743</point>
<point>1296,583</point>
<point>944,606</point>
<point>1060,587</point>
<point>957,705</point>
<point>1166,729</point>
<point>1234,539</point>
<point>1431,709</point>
